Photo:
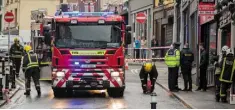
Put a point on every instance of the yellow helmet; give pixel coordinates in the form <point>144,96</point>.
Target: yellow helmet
<point>148,67</point>
<point>16,39</point>
<point>27,48</point>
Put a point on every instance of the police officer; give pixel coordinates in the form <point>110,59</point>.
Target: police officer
<point>227,74</point>
<point>148,69</point>
<point>186,60</point>
<point>31,69</point>
<point>172,60</point>
<point>16,53</point>
<point>177,46</point>
<point>218,71</point>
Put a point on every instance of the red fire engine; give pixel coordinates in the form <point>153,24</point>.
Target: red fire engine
<point>88,52</point>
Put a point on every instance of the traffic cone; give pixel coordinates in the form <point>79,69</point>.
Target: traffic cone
<point>126,65</point>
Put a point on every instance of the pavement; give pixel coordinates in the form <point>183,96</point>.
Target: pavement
<point>194,99</point>
<point>12,92</point>
<point>133,98</point>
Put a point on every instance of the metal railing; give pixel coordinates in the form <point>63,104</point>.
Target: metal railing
<point>210,76</point>
<point>145,54</point>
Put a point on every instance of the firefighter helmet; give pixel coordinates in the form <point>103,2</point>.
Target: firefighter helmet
<point>225,48</point>
<point>229,51</point>
<point>27,48</point>
<point>148,67</point>
<point>16,40</point>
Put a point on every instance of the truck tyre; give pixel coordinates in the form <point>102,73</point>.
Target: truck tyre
<point>59,92</point>
<point>69,92</point>
<point>115,92</point>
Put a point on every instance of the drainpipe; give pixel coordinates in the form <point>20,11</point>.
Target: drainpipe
<point>181,26</point>
<point>175,23</point>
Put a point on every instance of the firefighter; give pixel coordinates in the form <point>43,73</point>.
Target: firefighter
<point>227,74</point>
<point>16,53</point>
<point>172,60</point>
<point>218,71</point>
<point>148,69</point>
<point>31,69</point>
<point>186,60</point>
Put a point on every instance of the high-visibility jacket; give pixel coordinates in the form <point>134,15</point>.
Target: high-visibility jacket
<point>30,61</point>
<point>16,51</point>
<point>227,72</point>
<point>172,58</point>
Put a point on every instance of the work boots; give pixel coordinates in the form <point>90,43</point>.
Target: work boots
<point>39,92</point>
<point>27,93</point>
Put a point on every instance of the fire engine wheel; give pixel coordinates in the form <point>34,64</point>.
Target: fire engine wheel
<point>69,92</point>
<point>59,92</point>
<point>115,92</point>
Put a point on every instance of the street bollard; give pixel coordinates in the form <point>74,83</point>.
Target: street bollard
<point>7,71</point>
<point>1,86</point>
<point>153,101</point>
<point>13,77</point>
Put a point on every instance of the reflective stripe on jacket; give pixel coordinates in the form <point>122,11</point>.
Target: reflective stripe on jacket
<point>227,71</point>
<point>172,58</point>
<point>30,60</point>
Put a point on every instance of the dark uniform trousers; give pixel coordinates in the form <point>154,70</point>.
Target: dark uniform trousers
<point>144,78</point>
<point>217,86</point>
<point>177,76</point>
<point>203,79</point>
<point>172,77</point>
<point>187,76</point>
<point>223,91</point>
<point>34,73</point>
<point>17,64</point>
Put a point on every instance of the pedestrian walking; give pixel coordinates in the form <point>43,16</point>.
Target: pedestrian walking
<point>172,60</point>
<point>218,71</point>
<point>31,69</point>
<point>186,60</point>
<point>227,74</point>
<point>203,69</point>
<point>16,53</point>
<point>148,69</point>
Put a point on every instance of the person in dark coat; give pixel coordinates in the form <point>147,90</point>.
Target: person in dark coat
<point>203,69</point>
<point>186,60</point>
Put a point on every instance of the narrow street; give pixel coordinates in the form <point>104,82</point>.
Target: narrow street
<point>133,97</point>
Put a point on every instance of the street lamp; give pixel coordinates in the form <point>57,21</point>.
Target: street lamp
<point>153,101</point>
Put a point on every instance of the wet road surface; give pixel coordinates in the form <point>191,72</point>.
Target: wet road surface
<point>133,97</point>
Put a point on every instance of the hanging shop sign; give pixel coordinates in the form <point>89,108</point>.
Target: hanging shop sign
<point>225,19</point>
<point>206,12</point>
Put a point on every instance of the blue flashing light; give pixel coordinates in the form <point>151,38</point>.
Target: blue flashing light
<point>76,63</point>
<point>86,14</point>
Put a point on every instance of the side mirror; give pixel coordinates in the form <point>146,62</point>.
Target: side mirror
<point>128,38</point>
<point>128,28</point>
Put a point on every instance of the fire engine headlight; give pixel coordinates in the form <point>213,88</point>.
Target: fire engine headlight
<point>101,21</point>
<point>60,74</point>
<point>74,21</point>
<point>115,74</point>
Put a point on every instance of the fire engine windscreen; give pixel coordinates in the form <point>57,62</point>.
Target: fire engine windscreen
<point>87,36</point>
